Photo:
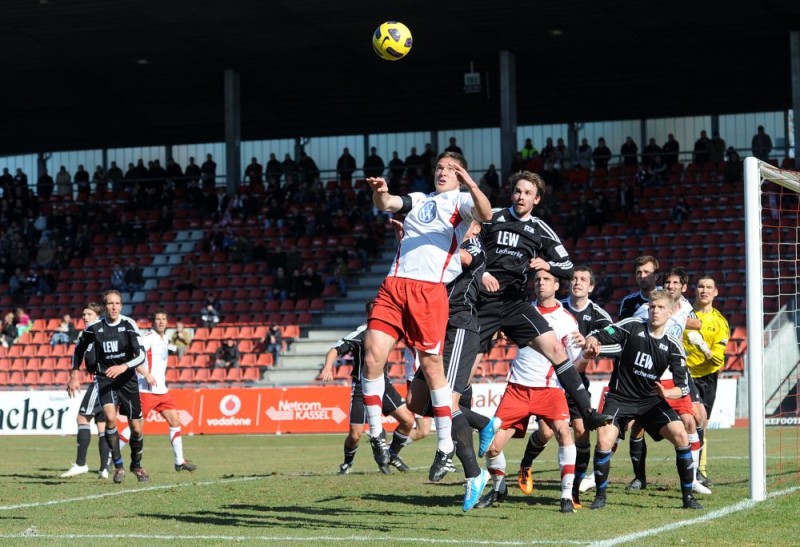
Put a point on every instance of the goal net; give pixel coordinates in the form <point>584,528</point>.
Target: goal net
<point>773,325</point>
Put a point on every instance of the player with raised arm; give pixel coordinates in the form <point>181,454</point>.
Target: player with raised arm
<point>155,395</point>
<point>393,403</point>
<point>89,410</point>
<point>412,303</point>
<point>516,243</point>
<point>533,390</point>
<point>117,346</point>
<point>705,357</point>
<point>589,316</point>
<point>635,391</point>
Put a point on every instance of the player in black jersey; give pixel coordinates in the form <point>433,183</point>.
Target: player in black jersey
<point>646,272</point>
<point>517,242</point>
<point>393,403</point>
<point>89,410</point>
<point>635,391</point>
<point>117,346</point>
<point>590,317</point>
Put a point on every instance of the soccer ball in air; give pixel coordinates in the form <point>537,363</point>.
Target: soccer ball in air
<point>392,41</point>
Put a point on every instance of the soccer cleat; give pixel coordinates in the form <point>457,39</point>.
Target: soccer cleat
<point>636,484</point>
<point>690,503</point>
<point>698,488</point>
<point>185,466</point>
<point>566,506</point>
<point>345,468</point>
<point>587,483</point>
<point>594,419</point>
<point>441,466</point>
<point>140,473</point>
<point>576,503</point>
<point>75,470</point>
<point>102,474</point>
<point>599,502</point>
<point>398,463</point>
<point>491,498</point>
<point>486,435</point>
<point>473,488</point>
<point>380,451</point>
<point>119,475</point>
<point>705,481</point>
<point>525,480</point>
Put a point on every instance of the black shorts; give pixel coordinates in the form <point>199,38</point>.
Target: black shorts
<point>694,393</point>
<point>652,417</point>
<point>518,320</point>
<point>707,389</point>
<point>90,405</point>
<point>392,400</point>
<point>574,409</point>
<point>122,392</point>
<point>460,348</point>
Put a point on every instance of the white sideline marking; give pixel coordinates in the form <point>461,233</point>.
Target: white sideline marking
<point>362,539</point>
<point>124,492</point>
<point>713,515</point>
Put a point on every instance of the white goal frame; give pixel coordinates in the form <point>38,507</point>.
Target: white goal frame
<point>754,171</point>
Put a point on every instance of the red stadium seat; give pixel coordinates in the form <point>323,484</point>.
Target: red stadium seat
<point>218,375</point>
<point>251,374</point>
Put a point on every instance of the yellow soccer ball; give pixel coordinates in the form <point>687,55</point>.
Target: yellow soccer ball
<point>392,41</point>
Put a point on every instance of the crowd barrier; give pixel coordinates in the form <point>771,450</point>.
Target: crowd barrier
<point>212,411</point>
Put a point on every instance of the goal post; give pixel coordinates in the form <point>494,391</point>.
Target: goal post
<point>764,273</point>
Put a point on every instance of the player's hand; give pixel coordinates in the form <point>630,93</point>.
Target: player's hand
<point>695,337</point>
<point>539,264</point>
<point>116,370</point>
<point>378,184</point>
<point>397,226</point>
<point>151,380</point>
<point>576,340</point>
<point>591,348</point>
<point>463,176</point>
<point>73,387</point>
<point>327,374</point>
<point>490,282</point>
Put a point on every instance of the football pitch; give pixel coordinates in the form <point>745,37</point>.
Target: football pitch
<point>285,490</point>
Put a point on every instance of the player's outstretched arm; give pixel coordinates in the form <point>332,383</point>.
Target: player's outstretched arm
<point>483,207</point>
<point>326,375</point>
<point>381,197</point>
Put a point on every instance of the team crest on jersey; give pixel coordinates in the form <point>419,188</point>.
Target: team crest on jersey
<point>428,212</point>
<point>662,346</point>
<point>529,229</point>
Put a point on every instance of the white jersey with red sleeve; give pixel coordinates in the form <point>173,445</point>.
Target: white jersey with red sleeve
<point>156,356</point>
<point>531,368</point>
<point>432,233</point>
<point>676,324</point>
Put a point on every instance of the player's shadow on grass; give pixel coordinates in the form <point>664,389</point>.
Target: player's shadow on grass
<point>47,477</point>
<point>264,516</point>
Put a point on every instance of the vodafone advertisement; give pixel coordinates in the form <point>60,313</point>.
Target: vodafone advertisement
<point>253,411</point>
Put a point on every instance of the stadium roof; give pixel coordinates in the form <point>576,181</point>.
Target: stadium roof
<point>94,73</point>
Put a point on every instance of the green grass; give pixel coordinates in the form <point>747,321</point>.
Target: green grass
<point>284,490</point>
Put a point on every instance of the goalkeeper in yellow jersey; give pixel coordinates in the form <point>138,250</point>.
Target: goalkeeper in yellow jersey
<point>705,357</point>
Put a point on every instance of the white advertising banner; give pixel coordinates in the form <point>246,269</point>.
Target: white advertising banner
<point>38,413</point>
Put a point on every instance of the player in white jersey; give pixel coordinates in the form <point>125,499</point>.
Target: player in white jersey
<point>412,301</point>
<point>683,317</point>
<point>153,388</point>
<point>533,390</point>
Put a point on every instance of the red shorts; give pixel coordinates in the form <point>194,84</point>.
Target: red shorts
<point>519,403</point>
<point>416,311</point>
<point>682,405</point>
<point>152,401</point>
